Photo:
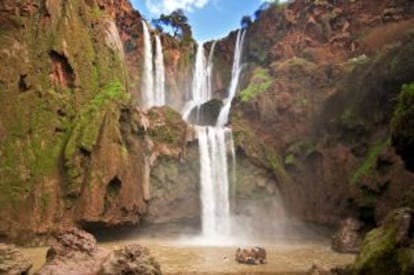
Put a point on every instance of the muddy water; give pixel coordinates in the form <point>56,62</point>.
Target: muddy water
<point>186,256</point>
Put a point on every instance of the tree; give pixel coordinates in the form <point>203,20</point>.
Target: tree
<point>178,22</point>
<point>246,21</point>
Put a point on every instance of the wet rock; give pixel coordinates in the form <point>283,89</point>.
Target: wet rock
<point>75,252</point>
<point>12,261</point>
<point>348,237</point>
<point>207,113</point>
<point>132,259</point>
<point>387,249</point>
<point>253,256</point>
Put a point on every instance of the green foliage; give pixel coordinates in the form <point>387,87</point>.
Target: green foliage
<point>259,83</point>
<point>290,160</point>
<point>278,170</point>
<point>370,161</point>
<point>178,21</point>
<point>166,126</point>
<point>356,61</point>
<point>86,129</point>
<point>296,63</point>
<point>404,109</point>
<point>303,147</point>
<point>382,251</point>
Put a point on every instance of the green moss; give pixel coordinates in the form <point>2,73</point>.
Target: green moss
<point>44,200</point>
<point>370,161</point>
<point>290,160</point>
<point>296,63</point>
<point>300,102</point>
<point>86,130</point>
<point>259,83</point>
<point>166,126</point>
<point>402,123</point>
<point>277,167</point>
<point>382,251</point>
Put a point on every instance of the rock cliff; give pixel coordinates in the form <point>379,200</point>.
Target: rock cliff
<point>75,149</point>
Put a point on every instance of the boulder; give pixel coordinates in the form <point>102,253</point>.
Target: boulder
<point>388,248</point>
<point>75,252</point>
<point>348,237</point>
<point>253,256</point>
<point>133,260</point>
<point>12,261</point>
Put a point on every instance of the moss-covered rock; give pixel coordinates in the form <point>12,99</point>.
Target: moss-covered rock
<point>402,125</point>
<point>386,250</point>
<point>63,97</point>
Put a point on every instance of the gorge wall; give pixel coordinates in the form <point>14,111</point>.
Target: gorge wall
<point>74,147</point>
<point>319,115</point>
<point>320,91</point>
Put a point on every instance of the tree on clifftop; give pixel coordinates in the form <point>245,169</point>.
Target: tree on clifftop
<point>178,22</point>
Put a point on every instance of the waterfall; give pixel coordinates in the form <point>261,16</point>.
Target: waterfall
<point>159,97</point>
<point>148,73</point>
<point>235,76</point>
<point>153,84</point>
<point>201,85</point>
<point>215,144</point>
<point>214,147</point>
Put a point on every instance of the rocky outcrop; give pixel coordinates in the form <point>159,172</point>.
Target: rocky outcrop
<point>348,237</point>
<point>253,256</point>
<point>76,252</point>
<point>401,125</point>
<point>12,261</point>
<point>132,259</point>
<point>387,249</point>
<point>74,148</point>
<point>304,110</point>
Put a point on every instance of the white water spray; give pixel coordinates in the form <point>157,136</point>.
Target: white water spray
<point>201,85</point>
<point>153,84</point>
<point>159,96</point>
<point>148,77</point>
<point>214,148</point>
<point>223,117</point>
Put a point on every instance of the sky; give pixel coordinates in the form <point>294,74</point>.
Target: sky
<point>209,19</point>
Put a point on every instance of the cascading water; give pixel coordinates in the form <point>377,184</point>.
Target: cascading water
<point>215,145</point>
<point>201,85</point>
<point>159,97</point>
<point>148,73</point>
<point>153,85</point>
<point>235,77</point>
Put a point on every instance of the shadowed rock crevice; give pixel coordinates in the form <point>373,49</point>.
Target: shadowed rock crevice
<point>114,187</point>
<point>23,86</point>
<point>62,73</point>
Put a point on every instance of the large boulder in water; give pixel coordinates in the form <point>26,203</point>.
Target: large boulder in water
<point>389,248</point>
<point>253,256</point>
<point>348,237</point>
<point>12,261</point>
<point>133,260</point>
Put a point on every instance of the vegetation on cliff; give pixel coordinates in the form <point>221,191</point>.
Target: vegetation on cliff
<point>402,125</point>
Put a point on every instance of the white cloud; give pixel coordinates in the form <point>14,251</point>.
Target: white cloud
<point>157,7</point>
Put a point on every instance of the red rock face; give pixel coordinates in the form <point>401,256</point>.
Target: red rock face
<point>307,49</point>
<point>76,101</point>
